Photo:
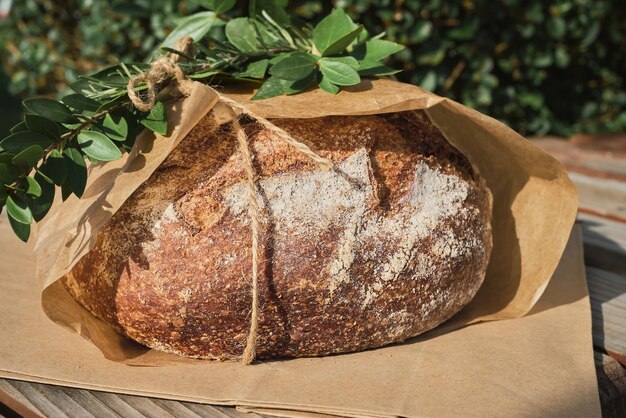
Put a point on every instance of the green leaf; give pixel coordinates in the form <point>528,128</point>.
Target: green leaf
<point>54,168</point>
<point>20,140</point>
<point>432,54</point>
<point>115,127</point>
<point>376,69</point>
<point>76,171</point>
<point>98,146</point>
<point>420,31</point>
<point>222,6</point>
<point>298,86</point>
<point>28,158</point>
<point>42,125</point>
<point>342,43</point>
<point>556,27</point>
<point>134,129</point>
<point>339,73</point>
<point>6,157</point>
<point>272,87</point>
<point>281,28</point>
<point>113,76</point>
<point>327,86</point>
<point>46,178</point>
<point>278,58</point>
<point>19,127</point>
<point>81,103</point>
<point>21,230</point>
<point>204,74</point>
<point>41,205</point>
<point>156,120</point>
<point>255,69</point>
<point>8,173</point>
<point>66,191</point>
<point>50,109</point>
<point>429,81</point>
<point>592,34</point>
<point>466,31</point>
<point>242,33</point>
<point>351,61</point>
<point>375,50</point>
<point>297,66</point>
<point>274,8</point>
<point>18,209</point>
<point>332,29</point>
<point>561,57</point>
<point>33,188</point>
<point>110,104</point>
<point>196,26</point>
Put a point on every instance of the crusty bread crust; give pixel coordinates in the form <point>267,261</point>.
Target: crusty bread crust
<point>392,244</point>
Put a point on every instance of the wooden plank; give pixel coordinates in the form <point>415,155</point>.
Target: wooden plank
<point>63,401</point>
<point>37,399</point>
<point>613,142</point>
<point>605,233</point>
<point>95,406</point>
<point>605,243</point>
<point>145,406</point>
<point>10,391</point>
<point>177,409</point>
<point>117,405</point>
<point>586,160</point>
<point>611,386</point>
<point>603,196</point>
<point>48,400</point>
<point>607,293</point>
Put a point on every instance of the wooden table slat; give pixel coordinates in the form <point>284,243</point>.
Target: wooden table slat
<point>90,402</point>
<point>37,399</point>
<point>117,404</point>
<point>147,407</point>
<point>177,409</point>
<point>16,401</point>
<point>64,402</point>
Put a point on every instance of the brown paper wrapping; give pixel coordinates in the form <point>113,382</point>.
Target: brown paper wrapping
<point>534,200</point>
<point>534,208</point>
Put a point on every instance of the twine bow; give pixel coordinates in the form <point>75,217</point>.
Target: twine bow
<point>165,68</point>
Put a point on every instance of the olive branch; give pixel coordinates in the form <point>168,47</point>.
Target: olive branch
<point>49,148</point>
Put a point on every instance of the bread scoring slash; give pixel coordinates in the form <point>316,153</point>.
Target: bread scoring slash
<point>391,244</point>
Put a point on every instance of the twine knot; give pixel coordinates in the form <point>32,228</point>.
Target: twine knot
<point>162,69</point>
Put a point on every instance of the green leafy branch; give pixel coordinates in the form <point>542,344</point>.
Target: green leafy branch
<point>50,147</point>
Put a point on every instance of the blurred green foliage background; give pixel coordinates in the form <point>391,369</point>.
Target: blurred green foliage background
<point>541,66</point>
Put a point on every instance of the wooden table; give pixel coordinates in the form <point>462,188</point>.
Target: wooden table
<point>600,176</point>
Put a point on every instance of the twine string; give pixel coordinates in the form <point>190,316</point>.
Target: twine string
<point>254,212</point>
<point>162,69</point>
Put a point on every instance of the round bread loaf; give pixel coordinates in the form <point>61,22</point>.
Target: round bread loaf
<point>389,245</point>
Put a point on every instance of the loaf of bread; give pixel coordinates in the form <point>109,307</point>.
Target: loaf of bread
<point>391,244</point>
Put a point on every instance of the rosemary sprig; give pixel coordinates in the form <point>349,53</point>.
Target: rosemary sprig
<point>98,122</point>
